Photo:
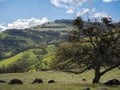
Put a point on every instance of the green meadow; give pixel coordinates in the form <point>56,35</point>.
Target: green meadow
<point>64,80</point>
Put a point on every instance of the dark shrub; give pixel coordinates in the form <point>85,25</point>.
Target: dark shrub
<point>86,89</point>
<point>112,82</point>
<point>1,81</point>
<point>51,81</point>
<point>84,79</point>
<point>15,81</point>
<point>37,80</point>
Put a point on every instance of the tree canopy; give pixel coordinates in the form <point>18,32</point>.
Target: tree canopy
<point>91,45</point>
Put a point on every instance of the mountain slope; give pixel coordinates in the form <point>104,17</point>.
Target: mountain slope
<point>29,56</point>
<point>14,41</point>
<point>32,59</point>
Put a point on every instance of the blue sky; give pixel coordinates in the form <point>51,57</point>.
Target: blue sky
<point>14,12</point>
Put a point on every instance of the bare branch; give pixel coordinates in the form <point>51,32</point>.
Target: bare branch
<point>112,67</point>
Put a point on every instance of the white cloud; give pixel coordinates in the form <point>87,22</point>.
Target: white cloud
<point>70,11</point>
<point>93,10</point>
<point>100,14</point>
<point>24,23</point>
<point>2,28</point>
<point>76,7</point>
<point>55,2</point>
<point>60,3</point>
<point>109,0</point>
<point>70,5</point>
<point>83,12</point>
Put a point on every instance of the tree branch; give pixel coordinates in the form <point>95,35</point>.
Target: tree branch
<point>103,72</point>
<point>77,72</point>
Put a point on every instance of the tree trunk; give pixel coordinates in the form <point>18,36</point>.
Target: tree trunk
<point>97,76</point>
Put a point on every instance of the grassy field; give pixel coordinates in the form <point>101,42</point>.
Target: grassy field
<point>64,81</point>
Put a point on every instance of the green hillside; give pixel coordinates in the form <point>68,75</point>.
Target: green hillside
<point>35,59</point>
<point>28,55</point>
<point>14,41</point>
<point>26,59</point>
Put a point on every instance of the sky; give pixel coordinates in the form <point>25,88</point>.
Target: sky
<point>22,14</point>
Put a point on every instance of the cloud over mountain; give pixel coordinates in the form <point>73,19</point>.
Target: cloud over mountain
<point>24,23</point>
<point>2,28</point>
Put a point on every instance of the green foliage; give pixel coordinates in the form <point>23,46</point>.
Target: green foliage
<point>101,48</point>
<point>65,58</point>
<point>47,56</point>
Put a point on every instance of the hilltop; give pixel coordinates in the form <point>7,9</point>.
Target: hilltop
<point>14,41</point>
